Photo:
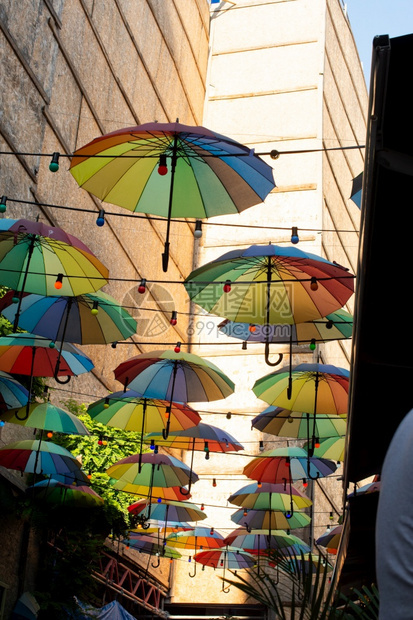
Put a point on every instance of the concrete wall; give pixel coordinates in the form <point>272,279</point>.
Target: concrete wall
<point>72,70</point>
<point>283,75</point>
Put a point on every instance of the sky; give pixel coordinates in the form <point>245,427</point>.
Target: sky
<point>369,18</point>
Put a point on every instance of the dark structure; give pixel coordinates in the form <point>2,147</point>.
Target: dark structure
<point>382,364</point>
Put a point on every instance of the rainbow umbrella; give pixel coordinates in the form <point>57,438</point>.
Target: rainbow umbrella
<point>47,417</point>
<point>330,448</point>
<point>157,470</point>
<point>35,457</point>
<point>288,465</point>
<point>211,174</point>
<point>228,557</point>
<point>12,393</point>
<point>286,423</point>
<point>197,539</point>
<point>259,541</point>
<point>155,526</point>
<point>268,496</point>
<point>54,492</point>
<point>269,519</point>
<point>151,493</point>
<point>167,511</point>
<point>174,376</point>
<point>130,411</point>
<point>150,545</point>
<point>370,487</point>
<point>43,259</point>
<point>92,318</point>
<point>331,539</point>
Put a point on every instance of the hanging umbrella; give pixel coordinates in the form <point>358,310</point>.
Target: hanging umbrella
<point>158,470</point>
<point>197,539</point>
<point>228,557</point>
<point>268,496</point>
<point>310,388</point>
<point>57,493</point>
<point>331,539</point>
<point>154,526</point>
<point>177,377</point>
<point>167,511</point>
<point>356,189</point>
<point>48,417</point>
<point>130,411</point>
<point>285,423</point>
<point>39,258</point>
<point>150,545</point>
<point>330,448</point>
<point>259,541</point>
<point>26,607</point>
<point>151,493</point>
<point>12,393</point>
<point>269,284</point>
<point>370,487</point>
<point>336,326</point>
<point>269,519</point>
<point>211,174</point>
<point>94,318</point>
<point>27,354</point>
<point>34,457</point>
<point>288,464</point>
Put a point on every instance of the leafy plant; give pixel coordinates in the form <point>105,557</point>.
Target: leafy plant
<point>292,589</point>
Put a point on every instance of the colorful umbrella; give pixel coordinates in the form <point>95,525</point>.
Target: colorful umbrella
<point>94,318</point>
<point>154,526</point>
<point>35,256</point>
<point>370,487</point>
<point>197,539</point>
<point>151,493</point>
<point>177,377</point>
<point>336,326</point>
<point>330,448</point>
<point>228,557</point>
<point>331,539</point>
<point>47,417</point>
<point>266,496</point>
<point>150,545</point>
<point>288,465</point>
<point>158,470</point>
<point>203,437</point>
<point>270,285</point>
<point>54,492</point>
<point>34,457</point>
<point>211,174</point>
<point>269,519</point>
<point>259,541</point>
<point>12,393</point>
<point>285,423</point>
<point>129,411</point>
<point>167,511</point>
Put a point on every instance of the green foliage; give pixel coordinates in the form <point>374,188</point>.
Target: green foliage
<point>294,593</point>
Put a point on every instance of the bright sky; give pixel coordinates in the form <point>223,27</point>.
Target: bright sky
<point>369,18</point>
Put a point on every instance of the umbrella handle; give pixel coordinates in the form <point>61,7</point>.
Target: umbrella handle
<point>185,491</point>
<point>194,571</point>
<point>308,472</point>
<point>62,381</point>
<point>156,565</point>
<point>267,356</point>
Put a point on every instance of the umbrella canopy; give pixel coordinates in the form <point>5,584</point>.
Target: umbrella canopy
<point>151,493</point>
<point>131,412</point>
<point>269,519</point>
<point>259,541</point>
<point>167,511</point>
<point>331,539</point>
<point>155,526</point>
<point>356,188</point>
<point>35,457</point>
<point>158,470</point>
<point>150,545</point>
<point>285,423</point>
<point>197,538</point>
<point>94,318</point>
<point>210,174</point>
<point>33,255</point>
<point>370,487</point>
<point>270,285</point>
<point>288,465</point>
<point>28,354</point>
<point>54,492</point>
<point>201,437</point>
<point>179,377</point>
<point>12,393</point>
<point>313,388</point>
<point>270,496</point>
<point>48,417</point>
<point>231,558</point>
<point>336,326</point>
<point>330,448</point>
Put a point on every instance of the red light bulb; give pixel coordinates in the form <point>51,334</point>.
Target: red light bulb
<point>227,286</point>
<point>142,286</point>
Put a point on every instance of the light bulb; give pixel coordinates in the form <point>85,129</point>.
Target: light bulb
<point>100,220</point>
<point>312,345</point>
<point>314,284</point>
<point>198,229</point>
<point>174,320</point>
<point>3,205</point>
<point>177,349</point>
<point>54,164</point>
<point>142,286</point>
<point>59,281</point>
<point>227,286</point>
<point>162,167</point>
<point>294,235</point>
